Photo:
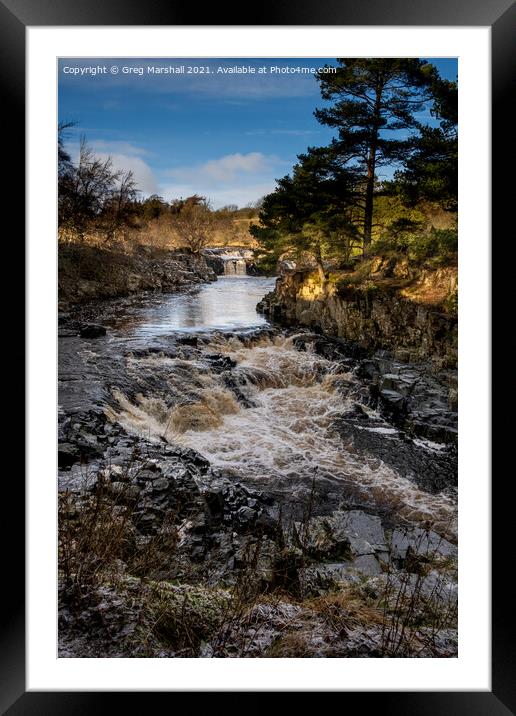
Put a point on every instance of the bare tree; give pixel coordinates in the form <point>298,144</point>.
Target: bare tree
<point>119,208</point>
<point>93,195</point>
<point>64,160</point>
<point>195,225</point>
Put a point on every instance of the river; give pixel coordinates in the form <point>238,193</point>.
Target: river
<point>204,370</point>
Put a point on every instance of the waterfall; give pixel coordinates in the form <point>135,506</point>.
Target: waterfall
<point>229,260</point>
<point>235,266</point>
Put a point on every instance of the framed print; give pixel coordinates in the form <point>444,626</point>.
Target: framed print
<point>258,354</point>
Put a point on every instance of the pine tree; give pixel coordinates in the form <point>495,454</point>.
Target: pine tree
<point>374,110</point>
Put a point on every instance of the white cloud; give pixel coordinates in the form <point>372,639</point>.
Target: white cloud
<point>221,196</point>
<point>224,169</point>
<point>117,146</point>
<point>143,174</point>
<point>125,157</point>
<point>231,179</point>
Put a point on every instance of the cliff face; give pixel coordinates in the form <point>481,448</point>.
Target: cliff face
<point>415,318</point>
<point>87,273</point>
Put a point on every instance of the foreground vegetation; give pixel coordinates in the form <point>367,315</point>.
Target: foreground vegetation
<point>124,593</point>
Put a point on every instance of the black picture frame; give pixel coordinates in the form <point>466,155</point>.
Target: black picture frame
<point>500,15</point>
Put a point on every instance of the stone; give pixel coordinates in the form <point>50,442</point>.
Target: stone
<point>346,534</point>
<point>364,526</point>
<point>188,341</point>
<point>393,400</point>
<point>124,491</point>
<point>146,475</point>
<point>92,330</point>
<point>67,455</point>
<point>395,383</point>
<point>367,564</point>
<point>246,515</point>
<point>322,539</point>
<point>424,543</point>
<point>320,578</point>
<point>356,412</point>
<point>160,485</point>
<point>435,587</point>
<point>214,500</point>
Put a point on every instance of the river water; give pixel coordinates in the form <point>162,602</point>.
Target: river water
<point>228,304</point>
<point>201,370</point>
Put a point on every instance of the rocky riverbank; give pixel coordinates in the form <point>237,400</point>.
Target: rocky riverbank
<point>411,315</point>
<point>164,552</point>
<point>88,273</point>
<point>195,565</point>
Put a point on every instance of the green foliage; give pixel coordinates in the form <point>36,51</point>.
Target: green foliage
<point>332,203</point>
<point>394,221</point>
<point>439,245</point>
<point>153,207</point>
<point>430,168</point>
<point>373,100</point>
<point>430,172</point>
<point>419,245</point>
<point>267,261</point>
<point>310,211</point>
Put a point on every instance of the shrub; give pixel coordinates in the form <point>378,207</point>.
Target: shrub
<point>438,245</point>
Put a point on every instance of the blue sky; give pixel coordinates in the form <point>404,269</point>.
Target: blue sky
<point>224,135</point>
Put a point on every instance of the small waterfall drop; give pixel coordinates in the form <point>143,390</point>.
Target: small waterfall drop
<point>229,260</point>
<point>235,266</point>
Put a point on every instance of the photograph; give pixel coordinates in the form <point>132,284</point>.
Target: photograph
<point>257,319</point>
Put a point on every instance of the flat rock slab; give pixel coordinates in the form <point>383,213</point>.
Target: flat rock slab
<point>345,534</point>
<point>421,542</point>
<point>318,578</point>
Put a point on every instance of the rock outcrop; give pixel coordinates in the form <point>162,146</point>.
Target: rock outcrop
<point>414,319</point>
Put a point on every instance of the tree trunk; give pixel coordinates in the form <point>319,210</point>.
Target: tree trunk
<point>320,268</point>
<point>320,271</point>
<point>371,167</point>
<point>368,211</point>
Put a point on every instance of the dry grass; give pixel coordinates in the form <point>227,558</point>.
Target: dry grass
<point>346,608</point>
<point>97,539</point>
<point>161,234</point>
<point>103,558</point>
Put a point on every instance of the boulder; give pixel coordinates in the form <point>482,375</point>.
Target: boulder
<point>92,330</point>
<point>67,455</point>
<point>424,543</point>
<point>344,534</point>
<point>320,578</point>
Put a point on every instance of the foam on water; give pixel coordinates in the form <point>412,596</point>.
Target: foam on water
<point>286,434</point>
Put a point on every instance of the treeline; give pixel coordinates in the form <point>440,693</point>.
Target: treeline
<point>335,206</point>
<point>97,202</point>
